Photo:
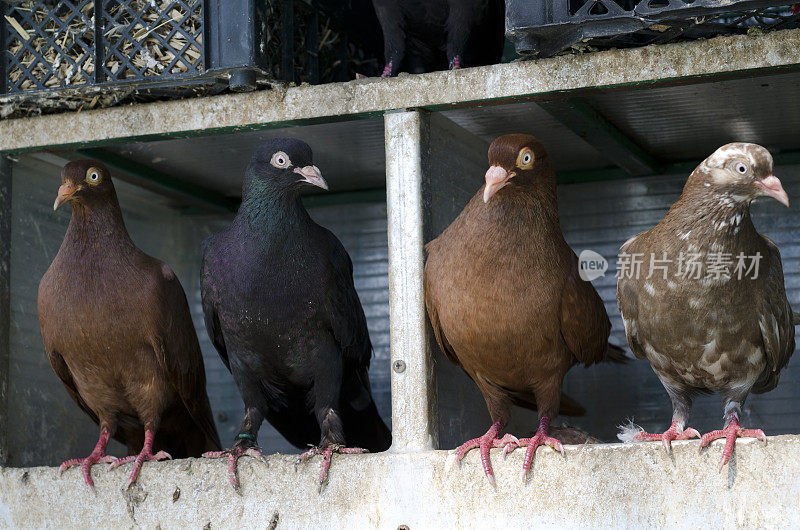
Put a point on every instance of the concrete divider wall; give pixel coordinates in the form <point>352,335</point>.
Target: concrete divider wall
<point>602,486</point>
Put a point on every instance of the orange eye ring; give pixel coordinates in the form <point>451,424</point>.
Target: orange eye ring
<point>93,176</point>
<point>525,158</point>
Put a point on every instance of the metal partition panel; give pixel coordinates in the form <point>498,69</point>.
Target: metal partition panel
<point>5,301</point>
<point>414,408</point>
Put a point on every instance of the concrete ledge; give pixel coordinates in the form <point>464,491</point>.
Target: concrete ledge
<point>602,486</point>
<point>683,62</point>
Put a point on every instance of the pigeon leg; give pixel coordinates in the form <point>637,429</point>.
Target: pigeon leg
<point>485,443</point>
<point>394,36</point>
<point>681,406</point>
<point>98,456</point>
<point>675,432</point>
<point>731,432</point>
<point>146,455</point>
<point>327,455</point>
<point>245,445</point>
<point>330,424</point>
<point>540,438</point>
<point>459,25</point>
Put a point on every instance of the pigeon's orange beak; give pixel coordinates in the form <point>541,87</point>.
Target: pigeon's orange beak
<point>496,178</point>
<point>312,175</point>
<point>772,186</point>
<point>65,193</point>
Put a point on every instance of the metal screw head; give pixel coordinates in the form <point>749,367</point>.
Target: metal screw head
<point>399,366</point>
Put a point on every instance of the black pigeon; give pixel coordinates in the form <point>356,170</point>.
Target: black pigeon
<point>283,313</point>
<point>427,35</point>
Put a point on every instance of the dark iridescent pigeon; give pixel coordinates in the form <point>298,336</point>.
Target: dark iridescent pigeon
<point>428,35</point>
<point>281,309</point>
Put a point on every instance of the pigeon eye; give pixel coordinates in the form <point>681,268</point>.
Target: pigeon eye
<point>525,159</point>
<point>741,168</point>
<point>93,176</point>
<point>280,160</point>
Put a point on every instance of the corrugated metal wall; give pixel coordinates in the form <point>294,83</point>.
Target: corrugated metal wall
<point>45,426</point>
<point>600,216</point>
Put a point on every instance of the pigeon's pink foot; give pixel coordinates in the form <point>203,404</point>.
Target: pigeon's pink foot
<point>387,70</point>
<point>455,63</point>
<point>668,436</point>
<point>327,454</point>
<point>537,440</point>
<point>146,455</point>
<point>98,456</point>
<point>233,454</point>
<point>731,432</point>
<point>485,443</point>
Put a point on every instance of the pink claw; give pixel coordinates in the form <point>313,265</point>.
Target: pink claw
<point>484,443</point>
<point>146,455</point>
<point>455,64</point>
<point>327,455</point>
<point>537,440</point>
<point>731,432</point>
<point>387,70</point>
<point>668,436</point>
<point>98,456</point>
<point>233,455</point>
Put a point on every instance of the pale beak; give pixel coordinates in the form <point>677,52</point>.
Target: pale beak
<point>496,178</point>
<point>772,186</point>
<point>65,193</point>
<point>312,175</point>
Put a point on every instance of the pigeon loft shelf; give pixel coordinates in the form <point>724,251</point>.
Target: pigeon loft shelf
<point>402,156</point>
<point>546,28</point>
<point>81,47</point>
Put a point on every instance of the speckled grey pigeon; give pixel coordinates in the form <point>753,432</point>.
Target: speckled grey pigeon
<point>702,295</point>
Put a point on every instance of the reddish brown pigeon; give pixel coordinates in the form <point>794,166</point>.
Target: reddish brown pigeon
<point>506,301</point>
<point>118,333</point>
<point>702,296</point>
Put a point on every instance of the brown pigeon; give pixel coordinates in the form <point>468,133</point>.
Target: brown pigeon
<point>702,296</point>
<point>506,301</point>
<point>118,333</point>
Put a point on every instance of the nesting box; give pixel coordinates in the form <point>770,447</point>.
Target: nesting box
<point>177,46</point>
<point>546,28</point>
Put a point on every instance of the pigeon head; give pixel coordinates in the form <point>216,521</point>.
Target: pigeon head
<point>84,182</point>
<point>739,173</point>
<point>516,160</point>
<point>282,165</point>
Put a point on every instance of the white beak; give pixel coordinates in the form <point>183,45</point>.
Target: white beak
<point>312,175</point>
